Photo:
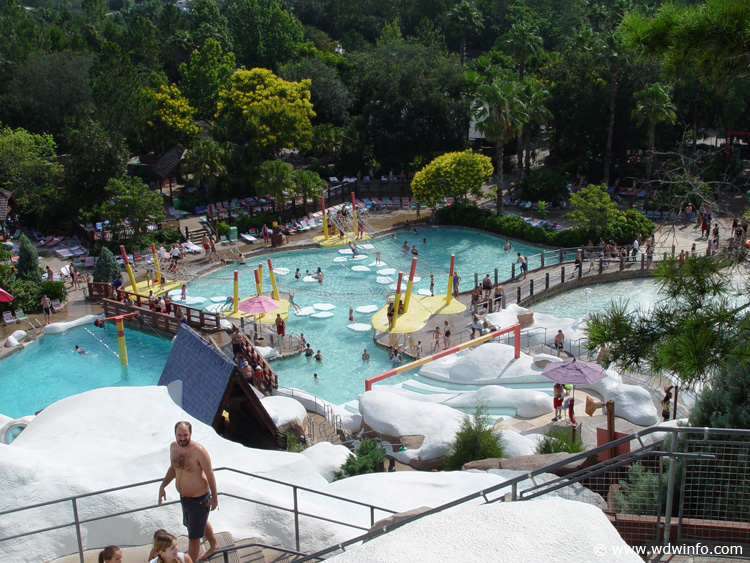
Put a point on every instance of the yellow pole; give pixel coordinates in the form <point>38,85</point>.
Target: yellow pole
<point>450,281</point>
<point>409,284</point>
<point>260,279</point>
<point>236,292</point>
<point>156,263</point>
<point>273,281</point>
<point>397,301</point>
<point>121,342</point>
<point>325,219</point>
<point>133,285</point>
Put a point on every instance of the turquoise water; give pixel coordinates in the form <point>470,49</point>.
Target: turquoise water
<point>572,303</point>
<point>48,369</point>
<point>342,373</point>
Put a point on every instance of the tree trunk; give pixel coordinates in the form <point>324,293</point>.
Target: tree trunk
<point>527,143</point>
<point>499,177</point>
<point>615,71</point>
<point>651,155</point>
<point>463,46</point>
<point>696,99</point>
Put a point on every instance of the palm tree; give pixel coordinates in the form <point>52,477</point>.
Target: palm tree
<point>653,105</point>
<point>522,42</point>
<point>308,185</point>
<point>275,178</point>
<point>535,100</point>
<point>467,18</point>
<point>500,115</point>
<point>207,161</point>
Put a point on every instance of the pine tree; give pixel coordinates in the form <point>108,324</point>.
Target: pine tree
<point>28,267</point>
<point>106,269</point>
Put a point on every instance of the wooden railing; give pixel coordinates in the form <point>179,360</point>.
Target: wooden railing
<point>99,290</point>
<point>196,318</point>
<point>169,322</point>
<point>255,358</point>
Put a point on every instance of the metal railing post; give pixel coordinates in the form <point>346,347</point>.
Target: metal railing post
<point>643,261</point>
<point>601,266</point>
<point>561,255</point>
<point>541,257</point>
<point>531,287</point>
<point>476,279</point>
<point>670,489</point>
<point>513,271</point>
<point>296,518</point>
<point>495,276</point>
<point>78,530</point>
<point>622,263</point>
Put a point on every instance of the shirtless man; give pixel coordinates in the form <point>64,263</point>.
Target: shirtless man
<point>191,466</point>
<point>559,341</point>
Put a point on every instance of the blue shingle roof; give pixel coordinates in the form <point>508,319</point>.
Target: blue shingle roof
<point>204,372</point>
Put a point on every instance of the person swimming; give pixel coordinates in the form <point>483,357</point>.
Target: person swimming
<point>80,351</point>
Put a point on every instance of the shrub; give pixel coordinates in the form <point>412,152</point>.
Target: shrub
<point>294,444</point>
<point>475,440</point>
<point>558,440</point>
<point>222,228</point>
<point>27,295</point>
<point>639,494</point>
<point>543,183</point>
<point>367,459</point>
<point>28,264</point>
<point>107,268</point>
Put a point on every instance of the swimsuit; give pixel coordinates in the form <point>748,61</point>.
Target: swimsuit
<point>195,515</point>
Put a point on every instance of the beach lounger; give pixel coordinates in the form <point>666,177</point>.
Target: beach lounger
<point>248,238</point>
<point>223,239</point>
<point>21,316</point>
<point>8,318</point>
<point>56,305</point>
<point>45,240</point>
<point>191,247</point>
<point>232,237</point>
<point>90,261</point>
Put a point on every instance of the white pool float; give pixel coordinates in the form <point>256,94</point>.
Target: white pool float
<point>219,299</point>
<point>360,269</point>
<point>366,246</point>
<point>367,309</point>
<point>195,300</point>
<point>359,257</point>
<point>424,292</point>
<point>346,251</point>
<point>393,287</point>
<point>324,306</point>
<point>359,327</point>
<point>322,315</point>
<point>340,259</point>
<point>383,280</point>
<point>304,312</point>
<point>309,279</point>
<point>281,271</point>
<point>387,271</point>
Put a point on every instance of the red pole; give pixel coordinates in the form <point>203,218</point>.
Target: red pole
<point>517,340</point>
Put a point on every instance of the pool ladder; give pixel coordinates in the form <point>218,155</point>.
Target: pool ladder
<point>36,328</point>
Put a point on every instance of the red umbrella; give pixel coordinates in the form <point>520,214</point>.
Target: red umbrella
<point>5,297</point>
<point>258,304</point>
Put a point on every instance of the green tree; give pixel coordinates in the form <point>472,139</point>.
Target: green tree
<point>308,185</point>
<point>558,440</point>
<point>207,161</point>
<point>500,116</point>
<point>275,178</point>
<point>696,329</point>
<point>368,457</point>
<point>106,268</point>
<point>535,98</point>
<point>28,264</point>
<point>593,209</point>
<point>266,112</point>
<point>475,440</point>
<point>207,74</point>
<point>329,95</point>
<point>466,18</point>
<point>29,169</point>
<point>653,106</point>
<point>208,23</point>
<point>264,32</point>
<point>455,174</point>
<point>130,202</point>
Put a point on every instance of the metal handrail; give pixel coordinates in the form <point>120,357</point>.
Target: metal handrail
<point>77,521</point>
<point>515,481</point>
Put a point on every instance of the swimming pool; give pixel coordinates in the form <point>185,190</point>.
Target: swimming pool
<point>643,292</point>
<point>49,369</point>
<point>356,283</point>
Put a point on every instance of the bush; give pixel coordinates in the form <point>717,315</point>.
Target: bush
<point>28,265</point>
<point>367,459</point>
<point>558,440</point>
<point>294,444</point>
<point>639,494</point>
<point>27,295</point>
<point>475,440</point>
<point>222,228</point>
<point>245,222</point>
<point>106,268</point>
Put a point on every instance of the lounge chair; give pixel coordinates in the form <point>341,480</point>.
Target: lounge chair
<point>56,305</point>
<point>8,318</point>
<point>232,236</point>
<point>21,316</point>
<point>248,238</point>
<point>223,239</point>
<point>90,261</point>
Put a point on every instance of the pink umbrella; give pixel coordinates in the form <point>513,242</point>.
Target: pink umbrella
<point>5,297</point>
<point>258,304</point>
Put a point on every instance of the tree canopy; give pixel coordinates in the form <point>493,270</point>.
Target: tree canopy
<point>455,174</point>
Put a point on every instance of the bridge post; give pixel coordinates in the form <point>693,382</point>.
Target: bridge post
<point>546,280</point>
<point>562,274</point>
<point>495,276</point>
<point>580,268</point>
<point>601,266</point>
<point>476,279</point>
<point>673,251</point>
<point>561,256</point>
<point>622,263</point>
<point>531,287</point>
<point>518,295</point>
<point>643,261</point>
<point>513,271</point>
<point>541,257</point>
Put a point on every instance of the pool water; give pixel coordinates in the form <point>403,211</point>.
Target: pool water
<point>49,369</point>
<point>341,374</point>
<point>641,292</point>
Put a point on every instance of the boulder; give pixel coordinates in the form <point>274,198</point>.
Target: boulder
<point>526,318</point>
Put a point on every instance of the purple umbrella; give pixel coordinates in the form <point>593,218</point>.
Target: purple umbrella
<point>574,372</point>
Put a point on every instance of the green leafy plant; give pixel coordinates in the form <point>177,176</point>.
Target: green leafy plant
<point>106,268</point>
<point>542,208</point>
<point>558,440</point>
<point>366,459</point>
<point>474,440</point>
<point>294,444</point>
<point>28,266</point>
<point>639,494</point>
